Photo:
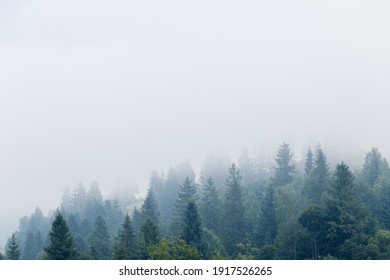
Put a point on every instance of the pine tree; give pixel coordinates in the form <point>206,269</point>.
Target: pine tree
<point>61,245</point>
<point>318,180</point>
<point>125,247</point>
<point>284,170</point>
<point>12,251</point>
<point>149,208</point>
<point>210,207</point>
<point>309,162</point>
<point>192,229</point>
<point>267,228</point>
<point>346,216</point>
<point>373,166</point>
<point>234,221</point>
<point>100,242</point>
<point>150,233</point>
<point>186,193</point>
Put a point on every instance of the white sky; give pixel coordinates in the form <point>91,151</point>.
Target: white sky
<point>110,90</point>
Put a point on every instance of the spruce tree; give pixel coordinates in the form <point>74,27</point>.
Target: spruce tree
<point>149,208</point>
<point>192,229</point>
<point>186,193</point>
<point>125,247</point>
<point>100,242</point>
<point>234,221</point>
<point>210,207</point>
<point>267,228</point>
<point>373,166</point>
<point>12,251</point>
<point>61,246</point>
<point>284,170</point>
<point>318,180</point>
<point>150,232</point>
<point>346,216</point>
<point>309,162</point>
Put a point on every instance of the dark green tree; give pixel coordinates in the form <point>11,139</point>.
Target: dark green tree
<point>125,246</point>
<point>61,246</point>
<point>319,178</point>
<point>150,232</point>
<point>284,171</point>
<point>186,193</point>
<point>149,208</point>
<point>313,221</point>
<point>210,207</point>
<point>384,206</point>
<point>100,242</point>
<point>12,251</point>
<point>346,217</point>
<point>267,228</point>
<point>192,228</point>
<point>233,220</point>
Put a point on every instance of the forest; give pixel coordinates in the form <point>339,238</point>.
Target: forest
<point>283,209</point>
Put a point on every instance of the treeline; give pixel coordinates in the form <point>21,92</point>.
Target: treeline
<point>234,211</point>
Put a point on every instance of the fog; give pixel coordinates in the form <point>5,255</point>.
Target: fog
<point>109,91</point>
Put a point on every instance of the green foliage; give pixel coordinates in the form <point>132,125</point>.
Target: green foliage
<point>176,250</point>
<point>284,171</point>
<point>186,194</point>
<point>100,247</point>
<point>318,178</point>
<point>12,251</point>
<point>61,245</point>
<point>309,162</point>
<point>234,223</point>
<point>192,228</point>
<point>267,228</point>
<point>150,232</point>
<point>125,246</point>
<point>213,246</point>
<point>246,251</point>
<point>210,207</point>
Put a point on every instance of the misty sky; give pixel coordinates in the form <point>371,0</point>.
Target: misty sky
<point>110,90</point>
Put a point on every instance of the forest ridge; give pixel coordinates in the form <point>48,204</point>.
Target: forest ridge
<point>234,212</point>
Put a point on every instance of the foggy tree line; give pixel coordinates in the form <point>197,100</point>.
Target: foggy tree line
<point>234,211</point>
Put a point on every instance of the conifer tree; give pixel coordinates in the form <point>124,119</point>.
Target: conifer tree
<point>100,242</point>
<point>284,170</point>
<point>234,221</point>
<point>186,193</point>
<point>12,251</point>
<point>309,162</point>
<point>61,245</point>
<point>192,229</point>
<point>210,207</point>
<point>150,232</point>
<point>149,208</point>
<point>267,228</point>
<point>125,247</point>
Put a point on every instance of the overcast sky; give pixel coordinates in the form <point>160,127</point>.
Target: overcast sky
<point>110,90</point>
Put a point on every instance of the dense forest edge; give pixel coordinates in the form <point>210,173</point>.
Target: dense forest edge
<point>232,211</point>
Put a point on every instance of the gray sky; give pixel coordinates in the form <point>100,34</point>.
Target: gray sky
<point>110,90</point>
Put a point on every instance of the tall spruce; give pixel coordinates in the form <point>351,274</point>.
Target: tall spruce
<point>149,208</point>
<point>210,207</point>
<point>100,242</point>
<point>284,170</point>
<point>61,246</point>
<point>150,232</point>
<point>309,162</point>
<point>192,228</point>
<point>267,228</point>
<point>374,165</point>
<point>12,251</point>
<point>234,220</point>
<point>346,216</point>
<point>125,246</point>
<point>319,178</point>
<point>186,193</point>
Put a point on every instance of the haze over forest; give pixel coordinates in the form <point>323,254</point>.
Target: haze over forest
<point>109,92</point>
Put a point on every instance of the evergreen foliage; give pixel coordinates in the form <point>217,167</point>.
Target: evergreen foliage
<point>125,246</point>
<point>12,251</point>
<point>100,247</point>
<point>233,220</point>
<point>284,171</point>
<point>61,245</point>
